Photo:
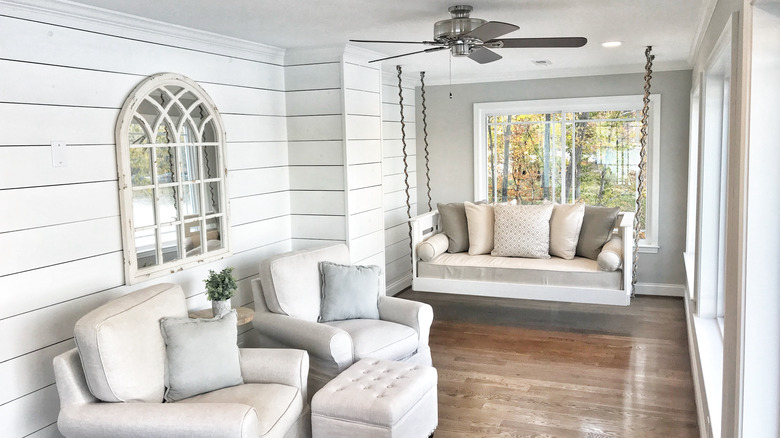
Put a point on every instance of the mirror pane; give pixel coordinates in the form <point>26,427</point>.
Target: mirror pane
<point>175,113</point>
<point>146,248</point>
<point>164,134</point>
<point>173,89</point>
<point>213,197</point>
<point>141,166</point>
<point>188,100</point>
<point>188,134</point>
<point>168,204</point>
<point>166,165</point>
<point>192,238</point>
<point>190,203</point>
<point>209,135</point>
<point>149,112</point>
<point>210,162</point>
<point>143,208</point>
<point>189,161</point>
<point>136,133</point>
<point>170,242</point>
<point>213,234</point>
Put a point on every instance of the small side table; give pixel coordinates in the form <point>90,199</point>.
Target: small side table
<point>245,315</point>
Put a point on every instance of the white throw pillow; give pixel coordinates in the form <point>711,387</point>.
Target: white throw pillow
<point>480,218</point>
<point>430,248</point>
<point>565,224</point>
<point>522,231</point>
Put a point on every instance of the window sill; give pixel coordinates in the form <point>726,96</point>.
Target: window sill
<point>709,343</point>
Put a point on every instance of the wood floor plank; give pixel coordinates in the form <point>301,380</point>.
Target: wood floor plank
<point>516,368</point>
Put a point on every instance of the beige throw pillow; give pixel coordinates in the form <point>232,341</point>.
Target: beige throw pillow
<point>565,224</point>
<point>480,219</point>
<point>522,231</point>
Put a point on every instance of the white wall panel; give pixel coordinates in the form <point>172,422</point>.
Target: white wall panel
<point>256,154</point>
<point>259,207</point>
<point>30,372</point>
<point>392,131</point>
<point>365,223</point>
<point>257,181</point>
<point>358,102</point>
<point>317,202</point>
<point>398,199</point>
<point>366,246</point>
<point>364,175</point>
<point>319,227</point>
<point>246,100</point>
<point>313,76</point>
<point>361,200</point>
<point>314,102</point>
<point>363,78</point>
<point>364,151</point>
<point>391,112</point>
<point>251,128</point>
<point>25,166</point>
<point>396,165</point>
<point>398,269</point>
<point>42,206</point>
<point>317,178</point>
<point>26,415</point>
<point>362,127</point>
<point>68,124</point>
<point>302,128</point>
<point>316,153</point>
<point>396,233</point>
<point>252,235</point>
<point>395,183</point>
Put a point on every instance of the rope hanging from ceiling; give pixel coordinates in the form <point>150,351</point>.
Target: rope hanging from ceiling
<point>406,155</point>
<point>425,139</point>
<point>640,187</point>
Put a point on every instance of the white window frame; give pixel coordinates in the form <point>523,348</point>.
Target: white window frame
<point>483,110</point>
<point>133,273</point>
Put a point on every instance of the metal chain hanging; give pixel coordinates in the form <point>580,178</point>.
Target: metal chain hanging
<point>640,187</point>
<point>406,164</point>
<point>425,139</point>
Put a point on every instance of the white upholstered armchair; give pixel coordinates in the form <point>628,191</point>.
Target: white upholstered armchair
<point>122,351</point>
<point>287,306</point>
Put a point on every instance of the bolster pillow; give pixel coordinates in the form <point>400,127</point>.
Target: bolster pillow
<point>432,247</point>
<point>611,256</point>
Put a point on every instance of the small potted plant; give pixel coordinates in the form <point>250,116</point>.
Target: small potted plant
<point>220,287</point>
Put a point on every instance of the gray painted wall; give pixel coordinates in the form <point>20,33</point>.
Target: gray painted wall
<point>451,133</point>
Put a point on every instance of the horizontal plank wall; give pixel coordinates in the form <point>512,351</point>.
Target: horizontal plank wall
<point>394,179</point>
<point>65,78</point>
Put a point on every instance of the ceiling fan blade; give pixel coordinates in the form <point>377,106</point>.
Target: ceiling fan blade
<point>394,42</point>
<point>432,49</point>
<point>536,42</point>
<point>483,56</point>
<point>491,30</point>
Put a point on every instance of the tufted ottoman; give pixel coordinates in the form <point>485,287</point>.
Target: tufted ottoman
<point>377,398</point>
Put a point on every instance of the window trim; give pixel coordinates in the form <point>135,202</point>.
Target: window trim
<point>134,274</point>
<point>484,109</point>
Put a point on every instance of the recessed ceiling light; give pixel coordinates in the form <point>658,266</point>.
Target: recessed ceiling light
<point>611,44</point>
<point>542,62</point>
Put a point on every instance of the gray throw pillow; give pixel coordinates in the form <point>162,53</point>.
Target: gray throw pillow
<point>597,225</point>
<point>349,292</point>
<point>455,226</point>
<point>201,355</point>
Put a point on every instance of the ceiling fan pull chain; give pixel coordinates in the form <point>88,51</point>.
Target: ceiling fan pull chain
<point>425,138</point>
<point>450,77</point>
<point>640,186</point>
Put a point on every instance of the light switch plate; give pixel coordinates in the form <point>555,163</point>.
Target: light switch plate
<point>58,153</point>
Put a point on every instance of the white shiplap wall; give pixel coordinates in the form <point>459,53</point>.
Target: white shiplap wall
<point>64,77</point>
<point>397,250</point>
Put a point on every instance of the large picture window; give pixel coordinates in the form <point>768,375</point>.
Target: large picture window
<point>564,151</point>
<point>170,143</point>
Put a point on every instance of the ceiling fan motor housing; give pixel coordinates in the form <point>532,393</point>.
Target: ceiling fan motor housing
<point>449,31</point>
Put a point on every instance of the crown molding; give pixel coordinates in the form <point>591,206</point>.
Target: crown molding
<point>93,19</point>
<point>706,9</point>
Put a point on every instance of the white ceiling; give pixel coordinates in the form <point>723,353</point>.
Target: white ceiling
<point>670,26</point>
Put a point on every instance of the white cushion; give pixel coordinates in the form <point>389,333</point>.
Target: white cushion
<point>379,339</point>
<point>431,247</point>
<point>291,281</point>
<point>121,347</point>
<point>202,355</point>
<point>522,231</point>
<point>565,224</point>
<point>611,256</point>
<point>480,219</point>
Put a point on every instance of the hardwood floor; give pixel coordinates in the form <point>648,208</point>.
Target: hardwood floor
<point>514,368</point>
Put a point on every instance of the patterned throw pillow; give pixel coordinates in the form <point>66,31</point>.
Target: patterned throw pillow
<point>522,231</point>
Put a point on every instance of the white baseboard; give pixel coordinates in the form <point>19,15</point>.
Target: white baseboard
<point>398,285</point>
<point>661,289</point>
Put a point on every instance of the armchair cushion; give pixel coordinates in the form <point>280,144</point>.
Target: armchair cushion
<point>202,355</point>
<point>291,281</point>
<point>349,292</point>
<point>379,339</point>
<point>121,347</point>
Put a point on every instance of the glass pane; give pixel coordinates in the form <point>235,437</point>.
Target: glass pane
<point>175,113</point>
<point>165,134</point>
<point>209,135</point>
<point>214,234</point>
<point>170,246</point>
<point>166,165</point>
<point>149,112</point>
<point>146,248</point>
<point>143,208</point>
<point>213,197</point>
<point>210,162</point>
<point>189,162</point>
<point>141,166</point>
<point>173,89</point>
<point>168,204</point>
<point>198,115</point>
<point>190,203</point>
<point>136,133</point>
<point>188,134</point>
<point>187,100</point>
<point>192,238</point>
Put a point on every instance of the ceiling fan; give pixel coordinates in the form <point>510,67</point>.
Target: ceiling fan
<point>474,37</point>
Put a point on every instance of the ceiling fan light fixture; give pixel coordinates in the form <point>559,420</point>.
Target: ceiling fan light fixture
<point>611,44</point>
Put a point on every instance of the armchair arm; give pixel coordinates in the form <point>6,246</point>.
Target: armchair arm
<point>272,365</point>
<point>183,420</point>
<point>416,315</point>
<point>322,341</point>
